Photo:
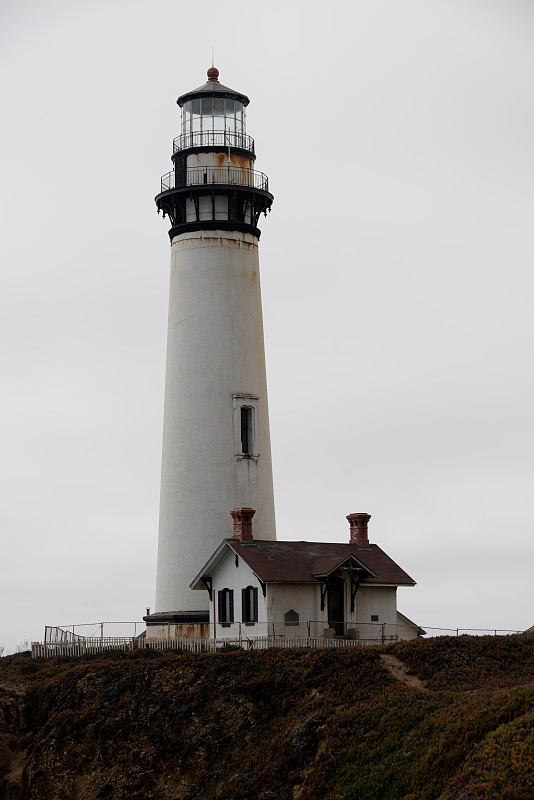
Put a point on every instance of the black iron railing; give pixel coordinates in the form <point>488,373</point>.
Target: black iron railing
<point>213,139</point>
<point>198,176</point>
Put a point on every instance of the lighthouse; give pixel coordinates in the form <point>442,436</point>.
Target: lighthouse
<point>216,453</point>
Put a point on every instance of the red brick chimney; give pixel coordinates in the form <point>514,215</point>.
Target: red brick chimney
<point>358,528</point>
<point>243,523</point>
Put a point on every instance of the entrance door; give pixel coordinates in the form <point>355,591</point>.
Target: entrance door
<point>336,605</point>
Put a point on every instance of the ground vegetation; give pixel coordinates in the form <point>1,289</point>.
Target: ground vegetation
<point>443,718</point>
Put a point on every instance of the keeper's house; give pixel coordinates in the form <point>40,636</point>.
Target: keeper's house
<point>316,589</point>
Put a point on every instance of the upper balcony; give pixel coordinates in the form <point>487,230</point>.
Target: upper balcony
<point>224,139</point>
<point>205,176</point>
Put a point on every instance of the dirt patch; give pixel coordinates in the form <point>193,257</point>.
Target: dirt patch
<point>400,672</point>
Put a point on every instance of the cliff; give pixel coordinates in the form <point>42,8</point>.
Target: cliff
<point>439,718</point>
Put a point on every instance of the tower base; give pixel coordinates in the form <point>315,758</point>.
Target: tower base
<point>178,625</point>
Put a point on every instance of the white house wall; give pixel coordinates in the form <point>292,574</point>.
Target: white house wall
<point>379,601</point>
<point>305,600</point>
<point>228,576</point>
<point>284,597</point>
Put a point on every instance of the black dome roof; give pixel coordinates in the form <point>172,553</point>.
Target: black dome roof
<point>213,88</point>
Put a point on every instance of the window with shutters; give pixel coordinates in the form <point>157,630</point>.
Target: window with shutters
<point>245,409</point>
<point>226,607</point>
<point>249,605</point>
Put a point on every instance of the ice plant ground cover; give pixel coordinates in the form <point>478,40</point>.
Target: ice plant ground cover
<point>278,724</point>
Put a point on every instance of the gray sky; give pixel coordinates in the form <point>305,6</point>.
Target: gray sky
<point>396,274</point>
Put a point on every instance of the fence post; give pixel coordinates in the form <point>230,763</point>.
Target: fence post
<point>383,632</point>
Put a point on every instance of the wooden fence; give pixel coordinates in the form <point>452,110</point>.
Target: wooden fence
<point>86,647</point>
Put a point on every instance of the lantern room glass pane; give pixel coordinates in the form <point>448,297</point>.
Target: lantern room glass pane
<point>186,117</point>
<point>207,106</point>
<point>195,112</point>
<point>229,114</point>
<point>207,111</point>
<point>207,114</point>
<point>239,118</point>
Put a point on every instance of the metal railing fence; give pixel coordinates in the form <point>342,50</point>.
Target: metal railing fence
<point>54,634</point>
<point>359,633</point>
<point>233,176</point>
<point>213,139</point>
<point>469,631</point>
<point>61,642</point>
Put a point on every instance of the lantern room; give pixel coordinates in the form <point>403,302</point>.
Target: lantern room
<point>213,183</point>
<point>214,115</point>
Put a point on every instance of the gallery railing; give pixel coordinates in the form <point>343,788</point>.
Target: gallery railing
<point>198,176</point>
<point>187,141</point>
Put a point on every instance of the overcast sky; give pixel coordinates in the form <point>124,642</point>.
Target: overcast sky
<point>397,278</point>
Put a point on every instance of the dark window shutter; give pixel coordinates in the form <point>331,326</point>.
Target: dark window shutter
<point>220,600</point>
<point>255,606</point>
<point>231,592</point>
<point>244,610</point>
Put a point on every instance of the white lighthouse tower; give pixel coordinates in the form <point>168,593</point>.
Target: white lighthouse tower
<point>216,442</point>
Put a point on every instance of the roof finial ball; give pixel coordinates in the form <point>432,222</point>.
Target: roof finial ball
<point>213,75</point>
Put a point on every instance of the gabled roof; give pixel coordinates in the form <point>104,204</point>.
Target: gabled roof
<point>308,562</point>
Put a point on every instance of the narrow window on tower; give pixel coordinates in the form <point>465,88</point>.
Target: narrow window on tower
<point>245,412</point>
<point>246,431</point>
